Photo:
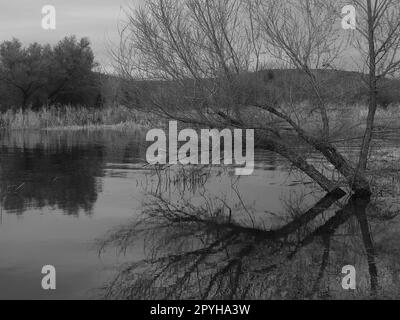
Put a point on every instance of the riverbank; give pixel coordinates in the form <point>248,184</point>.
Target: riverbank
<point>346,122</point>
<point>76,118</point>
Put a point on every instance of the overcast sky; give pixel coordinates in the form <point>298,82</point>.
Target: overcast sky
<point>95,19</point>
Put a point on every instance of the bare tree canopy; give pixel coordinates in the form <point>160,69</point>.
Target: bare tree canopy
<point>206,62</point>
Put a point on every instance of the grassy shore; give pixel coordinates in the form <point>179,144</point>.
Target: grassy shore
<point>346,121</point>
<point>76,118</point>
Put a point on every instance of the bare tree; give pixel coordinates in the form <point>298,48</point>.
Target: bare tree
<point>201,60</point>
<point>378,42</point>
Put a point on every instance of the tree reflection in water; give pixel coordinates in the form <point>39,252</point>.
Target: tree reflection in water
<point>60,169</point>
<point>211,251</point>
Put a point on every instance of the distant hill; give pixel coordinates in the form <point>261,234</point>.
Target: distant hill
<point>336,86</point>
<point>278,85</point>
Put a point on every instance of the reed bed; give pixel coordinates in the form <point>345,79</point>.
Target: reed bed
<point>76,118</point>
<point>346,121</point>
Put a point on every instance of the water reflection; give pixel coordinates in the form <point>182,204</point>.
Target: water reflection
<point>204,236</point>
<point>58,169</point>
<point>212,251</point>
<point>64,177</point>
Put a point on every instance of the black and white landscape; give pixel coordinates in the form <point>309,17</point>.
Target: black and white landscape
<point>198,149</point>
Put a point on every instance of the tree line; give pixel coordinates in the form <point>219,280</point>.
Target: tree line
<point>36,75</point>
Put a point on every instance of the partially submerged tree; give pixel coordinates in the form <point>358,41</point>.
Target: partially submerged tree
<point>202,63</point>
<point>378,41</point>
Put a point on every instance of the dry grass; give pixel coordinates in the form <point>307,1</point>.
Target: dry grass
<point>76,118</point>
<point>348,121</point>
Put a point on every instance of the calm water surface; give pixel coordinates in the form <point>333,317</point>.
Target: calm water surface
<point>62,191</point>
